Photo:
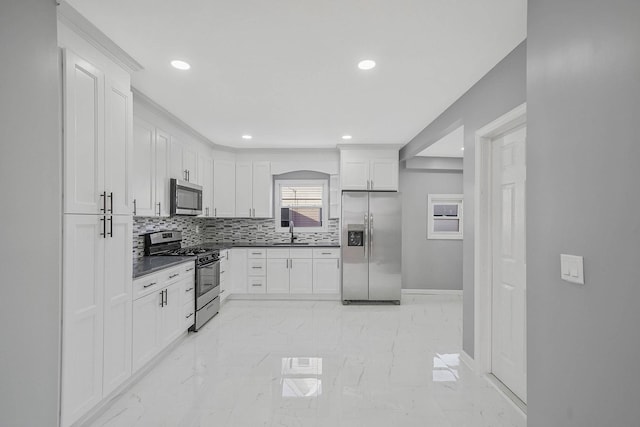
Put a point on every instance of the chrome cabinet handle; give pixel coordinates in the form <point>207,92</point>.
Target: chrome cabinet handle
<point>149,285</point>
<point>257,268</point>
<point>249,212</point>
<point>189,315</point>
<point>162,298</point>
<point>110,196</point>
<point>338,264</point>
<point>135,208</point>
<point>326,253</point>
<point>103,209</point>
<point>189,269</point>
<point>174,275</point>
<point>215,211</point>
<point>254,212</point>
<point>256,284</point>
<point>110,233</point>
<point>166,297</point>
<point>190,289</point>
<point>158,208</point>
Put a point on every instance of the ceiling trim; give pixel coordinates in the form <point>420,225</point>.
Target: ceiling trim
<point>84,28</point>
<point>377,146</point>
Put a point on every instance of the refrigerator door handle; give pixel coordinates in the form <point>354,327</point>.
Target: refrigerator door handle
<point>370,235</point>
<point>366,234</point>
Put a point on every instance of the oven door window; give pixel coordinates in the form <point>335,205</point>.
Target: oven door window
<point>208,278</point>
<point>189,198</point>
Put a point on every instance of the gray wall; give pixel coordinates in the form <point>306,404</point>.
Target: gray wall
<point>499,91</point>
<point>427,264</point>
<point>583,101</point>
<point>30,173</point>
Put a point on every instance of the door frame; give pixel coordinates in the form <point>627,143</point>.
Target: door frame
<point>483,257</point>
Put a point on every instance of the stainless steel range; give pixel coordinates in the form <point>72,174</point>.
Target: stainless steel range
<point>169,243</point>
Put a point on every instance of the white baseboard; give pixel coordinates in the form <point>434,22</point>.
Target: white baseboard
<point>508,395</point>
<point>284,297</point>
<point>468,360</point>
<point>432,292</point>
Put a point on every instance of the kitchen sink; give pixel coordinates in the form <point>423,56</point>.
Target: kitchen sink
<point>291,244</point>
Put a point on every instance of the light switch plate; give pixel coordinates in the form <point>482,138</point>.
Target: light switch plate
<point>572,268</point>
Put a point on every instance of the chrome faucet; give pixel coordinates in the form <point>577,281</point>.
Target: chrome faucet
<point>291,224</point>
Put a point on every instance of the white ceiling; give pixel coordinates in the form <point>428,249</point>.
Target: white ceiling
<point>285,71</point>
<point>451,145</point>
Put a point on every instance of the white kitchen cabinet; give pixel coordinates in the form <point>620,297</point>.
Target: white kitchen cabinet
<point>253,190</point>
<point>326,275</point>
<point>226,274</point>
<point>184,162</point>
<point>369,169</point>
<point>97,292</point>
<point>97,140</point>
<point>162,315</point>
<point>224,188</point>
<point>162,193</point>
<point>238,263</point>
<point>176,170</point>
<point>335,196</point>
<point>150,179</point>
<point>289,270</point>
<point>205,179</point>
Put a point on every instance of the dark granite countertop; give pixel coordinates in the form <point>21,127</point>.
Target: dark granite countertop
<point>152,264</point>
<point>229,245</point>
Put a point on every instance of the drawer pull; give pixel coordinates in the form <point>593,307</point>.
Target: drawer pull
<point>190,289</point>
<point>256,284</point>
<point>150,284</point>
<point>189,315</point>
<point>222,272</point>
<point>190,269</point>
<point>174,275</point>
<point>256,253</point>
<point>326,253</point>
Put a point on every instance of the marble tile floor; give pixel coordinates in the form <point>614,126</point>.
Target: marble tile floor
<point>318,364</point>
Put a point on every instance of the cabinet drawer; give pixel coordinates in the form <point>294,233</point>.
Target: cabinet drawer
<point>189,291</point>
<point>257,285</point>
<point>177,273</point>
<point>257,253</point>
<point>189,310</point>
<point>188,269</point>
<point>326,253</point>
<point>277,253</point>
<point>148,284</point>
<point>257,267</point>
<point>300,253</point>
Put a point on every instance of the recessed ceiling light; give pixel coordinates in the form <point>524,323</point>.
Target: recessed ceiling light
<point>346,137</point>
<point>462,148</point>
<point>366,64</point>
<point>246,137</point>
<point>180,65</point>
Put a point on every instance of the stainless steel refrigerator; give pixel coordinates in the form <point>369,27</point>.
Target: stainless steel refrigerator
<point>371,246</point>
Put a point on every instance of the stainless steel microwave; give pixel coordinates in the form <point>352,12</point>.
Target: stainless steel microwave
<point>186,198</point>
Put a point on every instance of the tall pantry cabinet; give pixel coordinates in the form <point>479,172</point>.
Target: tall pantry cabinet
<point>97,234</point>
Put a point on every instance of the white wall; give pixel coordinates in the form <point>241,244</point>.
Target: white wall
<point>30,218</point>
<point>427,264</point>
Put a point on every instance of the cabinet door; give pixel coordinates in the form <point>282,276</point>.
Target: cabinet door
<point>224,188</point>
<point>176,169</point>
<point>384,174</point>
<point>205,178</point>
<point>326,276</point>
<point>190,164</point>
<point>162,150</point>
<point>244,189</point>
<point>238,260</point>
<point>278,276</point>
<point>172,313</point>
<point>301,276</point>
<point>118,289</point>
<point>226,278</point>
<point>83,136</point>
<point>82,313</point>
<point>118,148</point>
<point>143,170</point>
<point>354,174</point>
<point>146,328</point>
<point>262,190</point>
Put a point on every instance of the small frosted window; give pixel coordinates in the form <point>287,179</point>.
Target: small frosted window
<point>445,210</point>
<point>444,216</point>
<point>446,225</point>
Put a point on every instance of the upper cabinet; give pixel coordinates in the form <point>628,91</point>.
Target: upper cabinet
<point>369,169</point>
<point>253,190</point>
<point>150,179</point>
<point>97,140</point>
<point>224,188</point>
<point>205,178</point>
<point>184,162</point>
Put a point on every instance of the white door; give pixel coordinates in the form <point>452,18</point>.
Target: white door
<point>301,276</point>
<point>508,346</point>
<point>172,313</point>
<point>383,174</point>
<point>326,276</point>
<point>143,171</point>
<point>146,328</point>
<point>205,178</point>
<point>224,188</point>
<point>82,311</point>
<point>118,288</point>
<point>355,174</point>
<point>278,276</point>
<point>83,136</point>
<point>190,164</point>
<point>118,148</point>
<point>244,187</point>
<point>262,194</point>
<point>161,178</point>
<point>238,260</point>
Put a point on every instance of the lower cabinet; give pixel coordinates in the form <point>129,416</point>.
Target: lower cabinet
<point>278,276</point>
<point>326,276</point>
<point>301,276</point>
<point>226,279</point>
<point>163,313</point>
<point>238,266</point>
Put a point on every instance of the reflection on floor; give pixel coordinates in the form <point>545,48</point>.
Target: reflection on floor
<point>292,363</point>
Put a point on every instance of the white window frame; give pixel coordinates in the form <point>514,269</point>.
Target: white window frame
<point>436,199</point>
<point>302,182</point>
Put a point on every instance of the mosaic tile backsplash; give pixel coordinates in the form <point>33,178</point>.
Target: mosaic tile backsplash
<point>199,230</point>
